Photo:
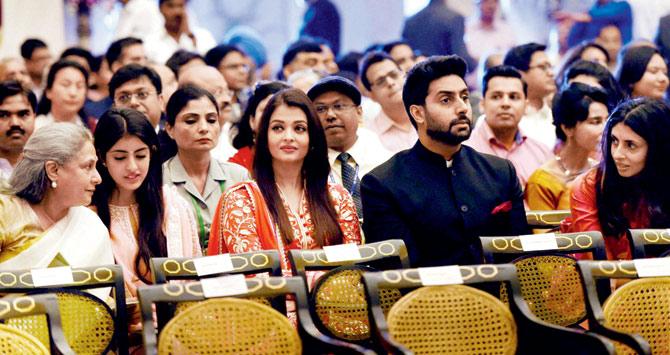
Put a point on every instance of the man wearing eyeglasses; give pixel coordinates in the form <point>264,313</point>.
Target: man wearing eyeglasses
<point>232,63</point>
<point>537,71</point>
<point>352,151</point>
<point>383,78</point>
<point>140,88</point>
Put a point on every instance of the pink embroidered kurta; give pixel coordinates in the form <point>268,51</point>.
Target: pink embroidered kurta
<point>179,229</point>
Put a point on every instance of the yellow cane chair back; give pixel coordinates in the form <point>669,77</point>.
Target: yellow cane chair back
<point>170,268</point>
<point>229,326</point>
<point>550,282</point>
<point>18,342</point>
<point>552,287</point>
<point>459,318</point>
<point>615,315</point>
<point>642,307</point>
<point>273,288</point>
<point>339,302</point>
<point>437,318</point>
<point>88,323</point>
<point>338,299</point>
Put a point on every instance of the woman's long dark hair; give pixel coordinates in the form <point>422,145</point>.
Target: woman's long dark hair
<point>245,135</point>
<point>650,119</point>
<point>114,125</point>
<point>315,170</point>
<point>44,106</point>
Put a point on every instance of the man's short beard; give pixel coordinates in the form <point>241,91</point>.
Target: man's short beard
<point>445,136</point>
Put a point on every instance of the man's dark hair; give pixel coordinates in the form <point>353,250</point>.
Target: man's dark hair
<point>388,47</point>
<point>350,62</point>
<point>132,72</point>
<point>11,88</point>
<point>30,45</point>
<point>79,52</point>
<point>116,48</point>
<point>418,79</point>
<point>584,67</point>
<point>179,58</point>
<point>300,46</point>
<point>215,55</point>
<point>520,56</point>
<point>367,61</point>
<point>505,71</point>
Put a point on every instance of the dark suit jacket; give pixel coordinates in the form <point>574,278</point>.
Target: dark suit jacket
<point>438,30</point>
<point>440,212</point>
<point>663,37</point>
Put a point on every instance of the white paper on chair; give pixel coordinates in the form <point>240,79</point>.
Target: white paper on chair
<point>440,275</point>
<point>341,252</point>
<point>228,285</point>
<point>215,264</point>
<point>52,276</point>
<point>535,242</point>
<point>653,267</point>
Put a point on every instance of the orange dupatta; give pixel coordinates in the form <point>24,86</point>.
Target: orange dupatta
<point>264,225</point>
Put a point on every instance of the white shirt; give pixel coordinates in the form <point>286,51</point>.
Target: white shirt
<point>539,125</point>
<point>224,149</point>
<point>367,153</point>
<point>43,120</point>
<point>160,45</point>
<point>139,18</point>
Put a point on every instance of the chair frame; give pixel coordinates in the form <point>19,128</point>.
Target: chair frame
<point>315,259</point>
<point>546,219</point>
<point>534,334</point>
<point>46,304</point>
<point>243,263</point>
<point>167,269</point>
<point>592,270</point>
<point>20,281</point>
<point>277,287</point>
<point>640,239</point>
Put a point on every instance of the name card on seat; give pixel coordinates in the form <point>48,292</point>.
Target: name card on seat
<point>440,275</point>
<point>228,285</point>
<point>52,276</point>
<point>653,267</point>
<point>341,252</point>
<point>215,264</point>
<point>535,242</point>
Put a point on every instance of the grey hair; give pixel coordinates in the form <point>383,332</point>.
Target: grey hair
<point>57,142</point>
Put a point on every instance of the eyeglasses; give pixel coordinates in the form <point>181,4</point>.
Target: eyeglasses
<point>322,110</point>
<point>393,75</point>
<point>543,67</point>
<point>241,66</point>
<point>125,98</point>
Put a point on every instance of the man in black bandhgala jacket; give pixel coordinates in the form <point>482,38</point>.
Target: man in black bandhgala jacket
<point>440,196</point>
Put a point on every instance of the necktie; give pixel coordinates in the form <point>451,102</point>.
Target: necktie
<point>351,182</point>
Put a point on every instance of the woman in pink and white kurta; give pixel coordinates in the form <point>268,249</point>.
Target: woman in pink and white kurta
<point>145,218</point>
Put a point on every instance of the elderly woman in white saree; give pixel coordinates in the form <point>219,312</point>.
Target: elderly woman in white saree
<point>43,221</point>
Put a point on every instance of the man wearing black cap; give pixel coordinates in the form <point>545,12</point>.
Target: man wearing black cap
<point>352,151</point>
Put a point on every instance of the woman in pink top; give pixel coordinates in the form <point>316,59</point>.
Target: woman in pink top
<point>145,218</point>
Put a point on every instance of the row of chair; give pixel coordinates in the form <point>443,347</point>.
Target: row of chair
<point>335,316</point>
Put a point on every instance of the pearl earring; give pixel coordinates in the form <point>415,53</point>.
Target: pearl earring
<point>54,184</point>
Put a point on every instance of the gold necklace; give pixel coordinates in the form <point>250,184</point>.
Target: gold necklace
<point>567,172</point>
